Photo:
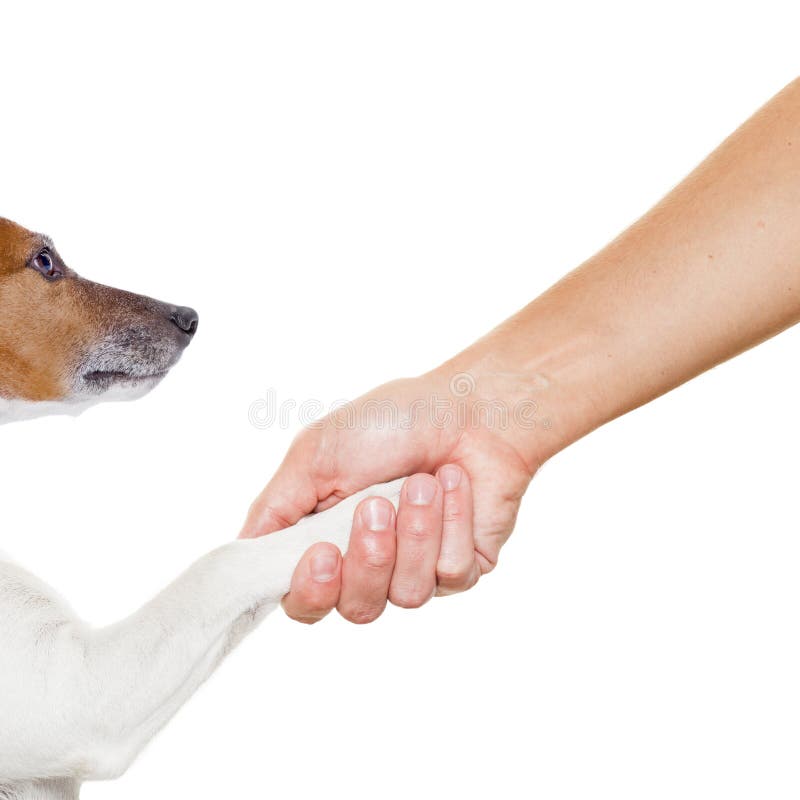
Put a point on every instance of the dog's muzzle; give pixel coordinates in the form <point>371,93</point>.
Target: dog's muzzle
<point>139,354</point>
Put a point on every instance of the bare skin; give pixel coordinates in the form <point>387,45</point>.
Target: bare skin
<point>712,270</point>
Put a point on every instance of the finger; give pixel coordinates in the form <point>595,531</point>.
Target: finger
<point>419,534</point>
<point>315,586</point>
<point>290,495</point>
<point>456,570</point>
<point>369,561</point>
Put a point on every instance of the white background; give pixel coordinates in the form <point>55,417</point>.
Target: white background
<point>349,192</point>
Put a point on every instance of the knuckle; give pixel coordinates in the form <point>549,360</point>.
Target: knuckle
<point>417,529</point>
<point>361,614</point>
<point>304,615</point>
<point>486,561</point>
<point>411,596</point>
<point>262,517</point>
<point>453,574</point>
<point>306,620</point>
<point>271,518</point>
<point>412,601</point>
<point>454,515</point>
<point>376,552</point>
<point>307,606</point>
<point>317,606</point>
<point>379,560</point>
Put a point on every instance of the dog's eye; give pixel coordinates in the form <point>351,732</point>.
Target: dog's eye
<point>44,263</point>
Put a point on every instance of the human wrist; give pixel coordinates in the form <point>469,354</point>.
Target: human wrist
<point>537,388</point>
<point>485,398</point>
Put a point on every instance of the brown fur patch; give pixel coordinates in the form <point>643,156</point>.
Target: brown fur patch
<point>46,327</point>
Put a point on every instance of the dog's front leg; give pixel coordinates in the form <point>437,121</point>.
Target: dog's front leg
<point>58,789</point>
<point>141,670</point>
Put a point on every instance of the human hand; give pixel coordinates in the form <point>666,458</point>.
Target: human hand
<point>455,512</point>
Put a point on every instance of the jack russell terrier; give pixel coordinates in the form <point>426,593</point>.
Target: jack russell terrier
<point>79,703</point>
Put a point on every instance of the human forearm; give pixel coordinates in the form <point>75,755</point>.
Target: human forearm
<point>710,271</point>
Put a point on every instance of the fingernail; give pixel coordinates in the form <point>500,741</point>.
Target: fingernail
<point>421,489</point>
<point>376,514</point>
<point>323,566</point>
<point>450,477</point>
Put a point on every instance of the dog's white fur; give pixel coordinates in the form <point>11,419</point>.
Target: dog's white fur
<point>78,703</point>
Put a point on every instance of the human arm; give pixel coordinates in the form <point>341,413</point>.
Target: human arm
<point>712,270</point>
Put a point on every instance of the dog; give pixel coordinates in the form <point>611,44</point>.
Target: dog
<point>79,703</point>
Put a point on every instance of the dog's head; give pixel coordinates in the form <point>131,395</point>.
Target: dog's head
<point>66,340</point>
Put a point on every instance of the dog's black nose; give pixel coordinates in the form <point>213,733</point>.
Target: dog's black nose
<point>185,318</point>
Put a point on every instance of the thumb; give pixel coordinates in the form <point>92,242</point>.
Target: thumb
<point>291,494</point>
